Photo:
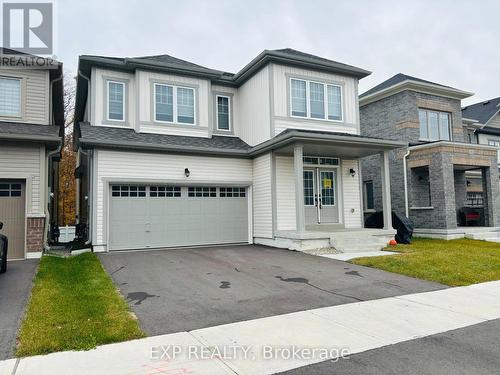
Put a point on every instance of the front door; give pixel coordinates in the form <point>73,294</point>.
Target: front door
<point>320,196</point>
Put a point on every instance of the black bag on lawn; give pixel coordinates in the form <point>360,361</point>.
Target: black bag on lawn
<point>401,223</point>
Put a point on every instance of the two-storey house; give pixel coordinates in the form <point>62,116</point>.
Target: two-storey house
<point>174,154</point>
<point>31,126</point>
<point>443,181</point>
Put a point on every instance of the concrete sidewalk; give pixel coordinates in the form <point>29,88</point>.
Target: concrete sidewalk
<point>289,340</point>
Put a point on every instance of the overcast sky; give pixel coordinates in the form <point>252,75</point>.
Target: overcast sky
<point>455,43</point>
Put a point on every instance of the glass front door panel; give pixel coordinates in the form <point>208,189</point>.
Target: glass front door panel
<point>327,188</point>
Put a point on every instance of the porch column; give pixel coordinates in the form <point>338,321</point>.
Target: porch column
<point>298,166</point>
<point>386,190</point>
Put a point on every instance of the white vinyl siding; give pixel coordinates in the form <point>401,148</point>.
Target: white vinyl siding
<point>34,96</point>
<point>253,104</point>
<point>116,101</point>
<point>285,193</point>
<point>262,197</point>
<point>434,125</point>
<point>10,97</point>
<point>25,163</point>
<point>495,121</point>
<point>352,194</point>
<point>158,169</point>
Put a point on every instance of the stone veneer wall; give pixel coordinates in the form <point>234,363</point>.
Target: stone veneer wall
<point>34,233</point>
<point>396,117</point>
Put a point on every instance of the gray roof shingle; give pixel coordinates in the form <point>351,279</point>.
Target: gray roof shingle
<point>116,137</point>
<point>482,112</point>
<point>29,132</point>
<point>398,78</point>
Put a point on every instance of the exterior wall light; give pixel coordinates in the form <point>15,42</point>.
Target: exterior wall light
<point>352,172</point>
<point>186,172</point>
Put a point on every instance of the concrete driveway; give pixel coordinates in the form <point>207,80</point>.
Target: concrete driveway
<point>15,289</point>
<point>179,290</point>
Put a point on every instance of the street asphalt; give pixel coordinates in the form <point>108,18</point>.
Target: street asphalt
<point>474,350</point>
<point>15,289</point>
<point>182,290</point>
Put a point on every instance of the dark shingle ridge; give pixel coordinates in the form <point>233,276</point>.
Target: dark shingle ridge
<point>398,78</point>
<point>168,59</point>
<point>482,111</point>
<point>294,52</point>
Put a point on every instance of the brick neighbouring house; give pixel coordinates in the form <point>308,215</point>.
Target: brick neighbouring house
<point>443,168</point>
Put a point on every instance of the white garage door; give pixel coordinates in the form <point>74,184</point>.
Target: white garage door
<point>168,216</point>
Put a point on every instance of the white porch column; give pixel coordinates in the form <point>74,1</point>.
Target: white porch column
<point>298,166</point>
<point>386,190</point>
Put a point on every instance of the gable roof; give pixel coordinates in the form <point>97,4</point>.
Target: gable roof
<point>400,82</point>
<point>170,64</point>
<point>482,112</point>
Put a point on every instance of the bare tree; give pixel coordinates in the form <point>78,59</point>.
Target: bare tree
<point>67,196</point>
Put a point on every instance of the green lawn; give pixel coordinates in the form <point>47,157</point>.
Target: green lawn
<point>74,305</point>
<point>455,263</point>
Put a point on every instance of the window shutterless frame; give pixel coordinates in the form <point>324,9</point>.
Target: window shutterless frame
<point>427,125</point>
<point>228,112</point>
<point>108,82</point>
<point>174,104</point>
<point>19,82</point>
<point>308,101</point>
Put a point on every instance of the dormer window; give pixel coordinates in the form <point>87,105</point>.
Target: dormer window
<point>10,97</point>
<point>315,100</point>
<point>116,101</point>
<point>165,96</point>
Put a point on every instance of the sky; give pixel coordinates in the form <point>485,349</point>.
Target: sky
<point>454,43</point>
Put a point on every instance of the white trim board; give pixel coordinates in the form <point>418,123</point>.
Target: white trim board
<point>359,326</point>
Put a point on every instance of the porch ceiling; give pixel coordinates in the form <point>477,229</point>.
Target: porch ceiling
<point>328,144</point>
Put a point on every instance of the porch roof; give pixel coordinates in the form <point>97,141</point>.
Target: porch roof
<point>326,143</point>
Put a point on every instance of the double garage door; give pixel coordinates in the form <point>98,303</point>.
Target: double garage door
<point>142,216</point>
<point>12,214</point>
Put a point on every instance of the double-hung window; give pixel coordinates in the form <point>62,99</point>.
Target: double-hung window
<point>10,97</point>
<point>223,113</point>
<point>116,101</point>
<point>434,125</point>
<point>315,100</point>
<point>174,104</point>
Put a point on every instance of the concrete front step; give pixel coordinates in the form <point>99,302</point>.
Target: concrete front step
<point>486,236</point>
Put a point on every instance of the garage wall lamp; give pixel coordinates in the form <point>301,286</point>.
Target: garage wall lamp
<point>352,172</point>
<point>186,172</point>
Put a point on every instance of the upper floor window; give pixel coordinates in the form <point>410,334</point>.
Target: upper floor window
<point>116,101</point>
<point>165,110</point>
<point>492,142</point>
<point>10,97</point>
<point>315,100</point>
<point>434,125</point>
<point>223,115</point>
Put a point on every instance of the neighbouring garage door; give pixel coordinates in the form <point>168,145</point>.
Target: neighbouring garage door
<point>168,216</point>
<point>12,214</point>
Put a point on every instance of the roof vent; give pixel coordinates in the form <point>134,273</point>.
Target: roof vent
<point>486,102</point>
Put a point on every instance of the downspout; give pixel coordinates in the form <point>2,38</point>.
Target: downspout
<point>48,163</point>
<point>89,181</point>
<point>405,179</point>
